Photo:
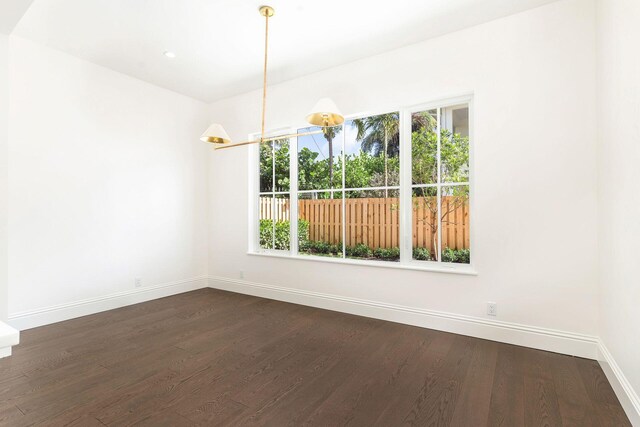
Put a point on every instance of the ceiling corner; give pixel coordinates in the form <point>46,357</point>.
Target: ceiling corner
<point>11,12</point>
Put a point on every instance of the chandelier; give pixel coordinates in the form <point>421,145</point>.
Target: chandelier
<point>323,114</point>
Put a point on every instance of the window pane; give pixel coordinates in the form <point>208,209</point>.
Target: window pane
<point>266,167</point>
<point>424,223</point>
<point>372,151</point>
<point>281,153</point>
<point>455,224</point>
<point>454,144</point>
<point>424,147</point>
<point>372,225</point>
<point>282,218</point>
<point>320,159</point>
<point>320,223</point>
<point>266,216</point>
<point>392,192</point>
<point>275,221</point>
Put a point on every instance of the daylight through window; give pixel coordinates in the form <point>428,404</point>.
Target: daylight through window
<point>350,194</point>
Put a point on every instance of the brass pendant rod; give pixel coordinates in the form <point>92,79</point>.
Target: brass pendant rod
<point>264,72</point>
<point>272,138</point>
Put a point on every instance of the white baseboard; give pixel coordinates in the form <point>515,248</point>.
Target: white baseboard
<point>511,333</point>
<point>47,315</point>
<point>8,337</point>
<point>626,394</point>
<point>5,352</point>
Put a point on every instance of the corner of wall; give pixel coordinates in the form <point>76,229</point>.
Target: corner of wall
<point>618,101</point>
<point>4,147</point>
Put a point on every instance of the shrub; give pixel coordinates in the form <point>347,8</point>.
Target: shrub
<point>359,251</point>
<point>319,247</point>
<point>460,256</point>
<point>303,233</point>
<point>421,254</point>
<point>322,248</point>
<point>336,249</point>
<point>388,254</point>
<point>282,240</point>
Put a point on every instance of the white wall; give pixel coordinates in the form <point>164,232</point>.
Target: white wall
<point>107,182</point>
<point>533,75</point>
<point>4,134</point>
<point>619,101</point>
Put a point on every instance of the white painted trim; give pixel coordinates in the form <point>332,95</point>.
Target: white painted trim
<point>511,333</point>
<point>47,315</point>
<point>431,266</point>
<point>626,394</point>
<point>8,338</point>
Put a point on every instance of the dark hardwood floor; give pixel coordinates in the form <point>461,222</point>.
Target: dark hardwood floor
<point>217,358</point>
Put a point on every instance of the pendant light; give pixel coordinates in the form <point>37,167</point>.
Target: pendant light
<point>323,114</point>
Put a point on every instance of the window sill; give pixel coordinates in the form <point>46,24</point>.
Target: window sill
<point>462,269</point>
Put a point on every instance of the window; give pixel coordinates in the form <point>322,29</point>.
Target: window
<point>386,189</point>
<point>440,184</point>
<point>320,195</point>
<point>274,197</point>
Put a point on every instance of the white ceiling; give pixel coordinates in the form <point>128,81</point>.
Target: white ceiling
<point>219,43</point>
<point>10,13</point>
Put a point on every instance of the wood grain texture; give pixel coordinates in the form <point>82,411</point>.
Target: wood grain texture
<point>211,358</point>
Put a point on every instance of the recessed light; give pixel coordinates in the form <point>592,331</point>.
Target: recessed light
<point>169,54</point>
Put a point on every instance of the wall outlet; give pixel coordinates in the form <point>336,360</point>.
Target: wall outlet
<point>137,282</point>
<point>242,274</point>
<point>492,309</point>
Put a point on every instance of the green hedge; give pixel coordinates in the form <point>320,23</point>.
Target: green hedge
<point>387,254</point>
<point>459,256</point>
<point>421,254</point>
<point>359,251</point>
<point>282,240</point>
<point>321,248</point>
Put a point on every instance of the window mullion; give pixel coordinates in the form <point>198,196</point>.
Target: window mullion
<point>344,196</point>
<point>254,226</point>
<point>439,192</point>
<point>273,195</point>
<point>404,217</point>
<point>293,195</point>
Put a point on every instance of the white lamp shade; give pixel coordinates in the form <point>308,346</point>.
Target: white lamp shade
<point>325,114</point>
<point>216,135</point>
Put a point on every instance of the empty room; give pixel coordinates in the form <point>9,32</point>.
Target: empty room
<point>345,213</point>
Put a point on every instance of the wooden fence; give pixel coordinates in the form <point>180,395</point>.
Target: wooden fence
<point>279,212</point>
<point>375,221</point>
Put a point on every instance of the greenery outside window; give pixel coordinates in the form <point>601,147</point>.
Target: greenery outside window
<point>384,189</point>
<point>274,196</point>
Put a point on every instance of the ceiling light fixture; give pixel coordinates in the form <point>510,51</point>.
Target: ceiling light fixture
<point>324,113</point>
<point>169,54</point>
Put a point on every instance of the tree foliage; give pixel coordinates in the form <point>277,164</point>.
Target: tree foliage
<point>377,164</point>
<point>278,150</point>
<point>367,167</point>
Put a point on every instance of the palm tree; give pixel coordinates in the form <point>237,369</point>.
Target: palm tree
<point>380,134</point>
<point>329,134</point>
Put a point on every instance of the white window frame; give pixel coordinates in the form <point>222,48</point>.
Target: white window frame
<point>254,195</point>
<point>405,189</point>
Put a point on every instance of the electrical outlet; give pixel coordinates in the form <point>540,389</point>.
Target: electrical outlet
<point>492,309</point>
<point>137,282</point>
<point>242,274</point>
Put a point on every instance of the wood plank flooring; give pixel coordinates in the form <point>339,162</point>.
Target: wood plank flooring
<point>210,357</point>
